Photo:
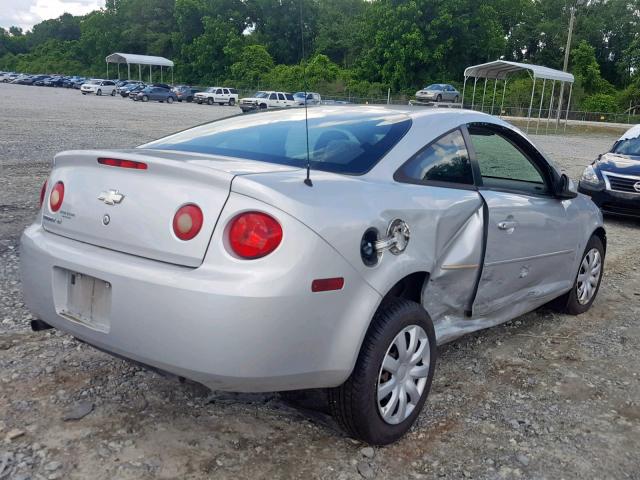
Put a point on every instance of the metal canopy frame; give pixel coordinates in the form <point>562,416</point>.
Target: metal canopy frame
<point>135,59</point>
<point>501,69</point>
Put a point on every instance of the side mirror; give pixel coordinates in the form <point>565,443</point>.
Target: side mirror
<point>567,189</point>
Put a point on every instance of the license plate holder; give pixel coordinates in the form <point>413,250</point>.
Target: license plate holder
<point>85,299</point>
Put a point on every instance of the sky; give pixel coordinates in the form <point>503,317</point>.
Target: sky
<point>26,13</point>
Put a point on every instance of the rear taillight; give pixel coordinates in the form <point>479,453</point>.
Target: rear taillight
<point>56,197</point>
<point>43,190</point>
<point>114,162</point>
<point>187,221</point>
<point>254,235</point>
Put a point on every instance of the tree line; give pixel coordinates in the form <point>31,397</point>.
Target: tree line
<point>346,47</point>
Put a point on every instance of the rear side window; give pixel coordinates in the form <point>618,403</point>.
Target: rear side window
<point>280,96</point>
<point>233,90</point>
<point>340,141</point>
<point>445,160</point>
<point>289,96</point>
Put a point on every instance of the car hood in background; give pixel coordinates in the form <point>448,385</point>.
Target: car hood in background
<point>624,164</point>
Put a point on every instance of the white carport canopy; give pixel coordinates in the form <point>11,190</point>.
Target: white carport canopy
<point>135,59</point>
<point>501,69</point>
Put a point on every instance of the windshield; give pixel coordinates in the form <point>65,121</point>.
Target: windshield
<point>435,86</point>
<point>261,95</point>
<point>629,146</point>
<point>94,82</point>
<point>340,141</point>
<point>211,89</point>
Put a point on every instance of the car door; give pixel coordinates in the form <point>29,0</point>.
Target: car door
<point>530,245</point>
<point>273,100</point>
<point>225,95</point>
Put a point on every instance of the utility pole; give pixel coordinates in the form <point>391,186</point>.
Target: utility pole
<point>567,50</point>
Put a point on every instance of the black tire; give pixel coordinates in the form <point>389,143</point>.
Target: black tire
<point>232,102</point>
<point>439,98</point>
<point>209,101</point>
<point>354,404</point>
<point>145,98</point>
<point>263,106</point>
<point>113,93</point>
<point>569,303</point>
<point>456,99</point>
<point>99,92</point>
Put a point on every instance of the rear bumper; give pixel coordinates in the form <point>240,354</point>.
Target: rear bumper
<point>611,201</point>
<point>226,330</point>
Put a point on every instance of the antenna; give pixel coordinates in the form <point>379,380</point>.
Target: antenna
<point>307,180</point>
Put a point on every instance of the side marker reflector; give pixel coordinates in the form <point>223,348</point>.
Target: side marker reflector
<point>326,284</point>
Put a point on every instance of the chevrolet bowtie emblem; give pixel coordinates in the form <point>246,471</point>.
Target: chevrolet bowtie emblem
<point>111,197</point>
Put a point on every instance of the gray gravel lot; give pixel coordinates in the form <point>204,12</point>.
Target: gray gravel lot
<point>545,396</point>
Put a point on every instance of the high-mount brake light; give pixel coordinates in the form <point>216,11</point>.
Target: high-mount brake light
<point>187,221</point>
<point>254,235</point>
<point>56,197</point>
<point>43,190</point>
<point>115,162</point>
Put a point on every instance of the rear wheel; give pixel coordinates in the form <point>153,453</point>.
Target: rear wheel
<point>169,99</point>
<point>113,93</point>
<point>210,101</point>
<point>392,377</point>
<point>455,100</point>
<point>145,98</point>
<point>439,98</point>
<point>587,282</point>
<point>232,102</point>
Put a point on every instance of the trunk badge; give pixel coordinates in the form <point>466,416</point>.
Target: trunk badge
<point>111,197</point>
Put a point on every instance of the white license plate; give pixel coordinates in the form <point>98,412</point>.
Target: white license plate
<point>84,299</point>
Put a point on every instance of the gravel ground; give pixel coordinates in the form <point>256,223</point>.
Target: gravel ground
<point>544,396</point>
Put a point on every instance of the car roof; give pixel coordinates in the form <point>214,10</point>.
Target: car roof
<point>633,132</point>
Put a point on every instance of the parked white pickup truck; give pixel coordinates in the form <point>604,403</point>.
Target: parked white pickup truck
<point>264,100</point>
<point>219,95</point>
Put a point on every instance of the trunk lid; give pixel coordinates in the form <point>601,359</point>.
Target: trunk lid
<point>141,223</point>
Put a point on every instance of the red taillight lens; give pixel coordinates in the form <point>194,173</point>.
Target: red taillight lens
<point>56,197</point>
<point>187,221</point>
<point>114,162</point>
<point>43,190</point>
<point>254,235</point>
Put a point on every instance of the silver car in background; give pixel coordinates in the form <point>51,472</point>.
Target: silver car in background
<point>438,92</point>
<point>213,255</point>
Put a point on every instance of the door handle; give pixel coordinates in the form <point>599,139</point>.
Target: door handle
<point>506,225</point>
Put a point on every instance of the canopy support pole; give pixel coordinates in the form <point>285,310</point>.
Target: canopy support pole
<point>544,84</point>
<point>566,119</point>
<point>107,70</point>
<point>504,91</point>
<point>553,89</point>
<point>533,89</point>
<point>473,99</point>
<point>150,81</point>
<point>464,86</point>
<point>140,72</point>
<point>172,76</point>
<point>128,71</point>
<point>161,74</point>
<point>484,91</point>
<point>493,100</point>
<point>118,70</point>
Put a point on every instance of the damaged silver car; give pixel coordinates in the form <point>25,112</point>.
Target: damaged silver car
<point>254,254</point>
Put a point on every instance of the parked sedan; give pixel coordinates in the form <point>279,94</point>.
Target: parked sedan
<point>156,93</point>
<point>213,254</point>
<point>185,93</point>
<point>131,90</point>
<point>613,180</point>
<point>438,92</point>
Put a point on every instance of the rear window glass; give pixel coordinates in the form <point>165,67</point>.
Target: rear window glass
<point>347,141</point>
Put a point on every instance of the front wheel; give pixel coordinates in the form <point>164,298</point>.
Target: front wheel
<point>587,282</point>
<point>99,92</point>
<point>210,101</point>
<point>145,98</point>
<point>169,99</point>
<point>439,98</point>
<point>392,377</point>
<point>455,100</point>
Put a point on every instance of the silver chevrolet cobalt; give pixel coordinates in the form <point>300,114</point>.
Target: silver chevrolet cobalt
<point>255,254</point>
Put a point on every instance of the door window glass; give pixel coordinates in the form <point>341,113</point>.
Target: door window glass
<point>273,97</point>
<point>280,96</point>
<point>502,164</point>
<point>445,160</point>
